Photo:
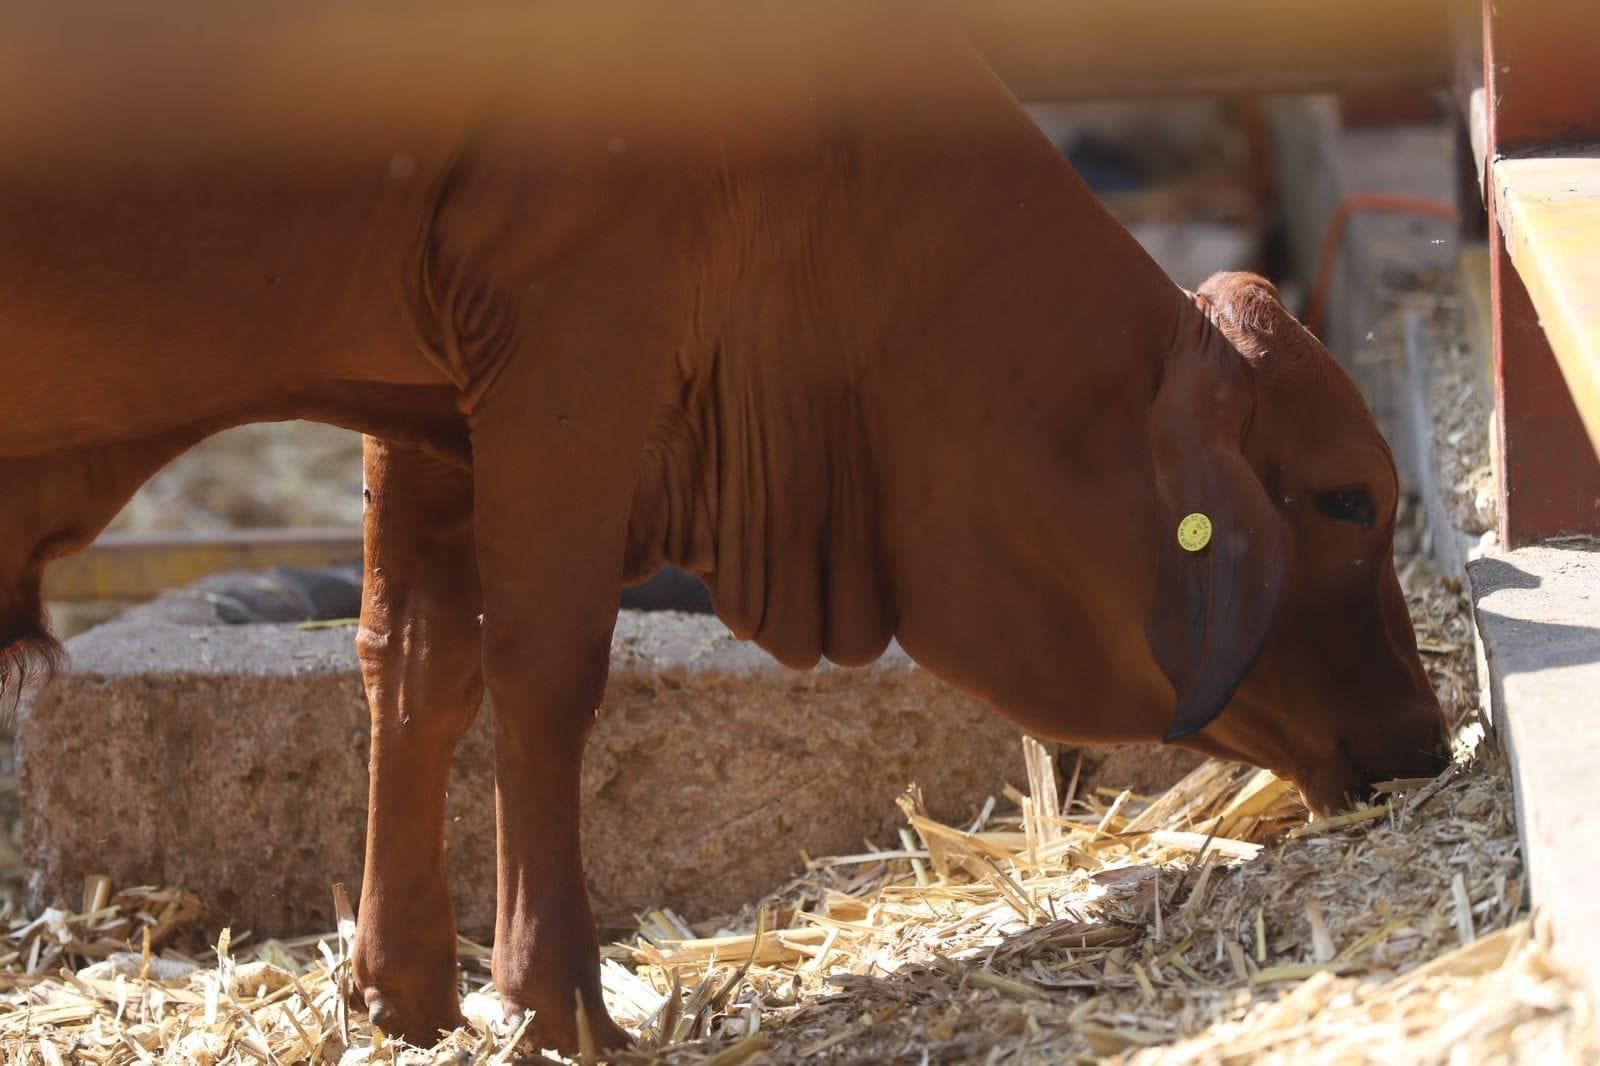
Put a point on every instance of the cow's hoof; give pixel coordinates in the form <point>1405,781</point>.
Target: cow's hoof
<point>604,1034</point>
<point>380,1014</point>
<point>416,1024</point>
<point>609,1036</point>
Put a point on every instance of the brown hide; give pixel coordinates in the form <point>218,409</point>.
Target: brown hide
<point>793,297</point>
<point>1221,600</point>
<point>1339,691</point>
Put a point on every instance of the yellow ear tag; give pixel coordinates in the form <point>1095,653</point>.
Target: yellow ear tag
<point>1194,532</point>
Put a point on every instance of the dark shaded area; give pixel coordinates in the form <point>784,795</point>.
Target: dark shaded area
<point>670,590</point>
<point>285,594</point>
<point>1490,574</point>
<point>1103,165</point>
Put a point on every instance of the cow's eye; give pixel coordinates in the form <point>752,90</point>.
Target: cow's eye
<point>1348,505</point>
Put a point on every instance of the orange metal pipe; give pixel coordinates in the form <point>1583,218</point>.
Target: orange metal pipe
<point>1317,305</point>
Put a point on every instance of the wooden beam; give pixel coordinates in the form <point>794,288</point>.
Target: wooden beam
<point>1539,59</point>
<point>137,567</point>
<point>1082,49</point>
<point>1478,304</point>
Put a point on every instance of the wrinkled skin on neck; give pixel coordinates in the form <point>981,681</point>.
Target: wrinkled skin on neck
<point>1019,540</point>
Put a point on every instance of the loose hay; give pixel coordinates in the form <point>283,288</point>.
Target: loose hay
<point>1213,923</point>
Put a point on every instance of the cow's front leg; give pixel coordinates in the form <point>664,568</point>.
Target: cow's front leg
<point>546,653</point>
<point>546,956</point>
<point>554,461</point>
<point>420,659</point>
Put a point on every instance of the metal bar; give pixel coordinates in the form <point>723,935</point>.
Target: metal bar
<point>1540,85</point>
<point>137,567</point>
<point>1084,49</point>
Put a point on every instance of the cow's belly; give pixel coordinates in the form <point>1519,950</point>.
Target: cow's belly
<point>225,279</point>
<point>201,207</point>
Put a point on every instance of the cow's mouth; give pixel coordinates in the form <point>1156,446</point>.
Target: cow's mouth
<point>1338,783</point>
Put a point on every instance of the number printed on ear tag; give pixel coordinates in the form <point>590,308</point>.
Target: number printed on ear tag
<point>1194,532</point>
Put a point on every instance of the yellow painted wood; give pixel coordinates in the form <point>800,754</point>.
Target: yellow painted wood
<point>137,567</point>
<point>1549,212</point>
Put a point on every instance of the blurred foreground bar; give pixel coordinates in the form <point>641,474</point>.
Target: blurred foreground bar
<point>1083,49</point>
<point>298,70</point>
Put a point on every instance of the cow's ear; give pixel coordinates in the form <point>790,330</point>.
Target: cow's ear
<point>1225,551</point>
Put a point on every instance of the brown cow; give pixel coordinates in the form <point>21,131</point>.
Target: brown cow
<point>803,304</point>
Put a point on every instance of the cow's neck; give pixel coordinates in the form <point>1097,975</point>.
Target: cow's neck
<point>1019,513</point>
<point>896,414</point>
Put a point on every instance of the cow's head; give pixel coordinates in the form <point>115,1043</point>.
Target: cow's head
<point>1290,616</point>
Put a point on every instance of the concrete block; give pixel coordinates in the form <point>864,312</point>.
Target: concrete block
<point>231,760</point>
<point>1538,616</point>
